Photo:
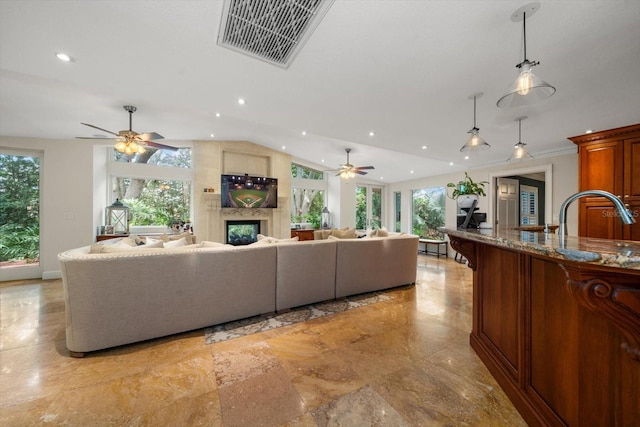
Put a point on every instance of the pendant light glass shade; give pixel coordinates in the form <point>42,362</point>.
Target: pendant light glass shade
<point>475,141</point>
<point>528,88</point>
<point>519,152</point>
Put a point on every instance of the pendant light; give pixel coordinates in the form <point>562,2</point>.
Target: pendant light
<point>475,141</point>
<point>528,88</point>
<point>519,152</point>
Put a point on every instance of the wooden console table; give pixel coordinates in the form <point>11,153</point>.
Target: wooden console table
<point>302,233</point>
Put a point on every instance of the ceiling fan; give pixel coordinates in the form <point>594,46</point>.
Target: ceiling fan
<point>129,141</point>
<point>349,171</point>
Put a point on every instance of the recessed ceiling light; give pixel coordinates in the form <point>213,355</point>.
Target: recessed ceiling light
<point>372,133</point>
<point>64,57</point>
<point>381,178</point>
<point>466,157</point>
<point>284,147</point>
<point>304,133</point>
<point>212,136</point>
<point>241,101</point>
<point>322,160</point>
<point>588,131</point>
<point>411,172</point>
<point>424,147</point>
<point>450,163</point>
<point>217,114</point>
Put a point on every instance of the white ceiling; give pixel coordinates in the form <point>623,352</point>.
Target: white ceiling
<point>403,69</point>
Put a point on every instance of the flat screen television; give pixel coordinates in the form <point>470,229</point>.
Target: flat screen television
<point>244,191</point>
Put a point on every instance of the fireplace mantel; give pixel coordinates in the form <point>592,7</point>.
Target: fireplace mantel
<point>217,217</point>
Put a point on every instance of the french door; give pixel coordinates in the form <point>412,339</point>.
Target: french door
<point>368,207</point>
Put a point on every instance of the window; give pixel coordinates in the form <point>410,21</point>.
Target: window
<point>158,157</point>
<point>308,189</point>
<point>428,210</point>
<point>157,186</point>
<point>19,210</point>
<point>154,201</point>
<point>397,216</point>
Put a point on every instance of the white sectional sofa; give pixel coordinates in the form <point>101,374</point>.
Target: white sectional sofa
<point>113,299</point>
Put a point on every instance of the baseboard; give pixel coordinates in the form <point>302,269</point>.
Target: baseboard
<point>49,275</point>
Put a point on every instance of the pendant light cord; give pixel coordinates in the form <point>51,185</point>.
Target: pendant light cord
<point>524,29</point>
<point>474,111</point>
<point>520,131</point>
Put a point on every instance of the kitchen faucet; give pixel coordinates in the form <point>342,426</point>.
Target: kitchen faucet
<point>625,215</point>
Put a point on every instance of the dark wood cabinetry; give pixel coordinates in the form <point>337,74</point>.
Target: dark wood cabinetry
<point>561,338</point>
<point>610,161</point>
<point>302,234</point>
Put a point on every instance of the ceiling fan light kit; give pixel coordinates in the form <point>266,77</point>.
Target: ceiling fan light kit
<point>475,141</point>
<point>528,88</point>
<point>349,171</point>
<point>130,142</point>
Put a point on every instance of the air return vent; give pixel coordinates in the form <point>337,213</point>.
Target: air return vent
<point>271,30</point>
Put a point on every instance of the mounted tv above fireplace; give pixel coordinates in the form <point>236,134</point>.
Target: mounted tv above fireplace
<point>244,191</point>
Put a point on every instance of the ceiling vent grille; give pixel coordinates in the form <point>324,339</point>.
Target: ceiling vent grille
<point>271,30</point>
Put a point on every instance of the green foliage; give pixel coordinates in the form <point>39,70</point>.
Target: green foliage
<point>428,212</point>
<point>467,186</point>
<point>160,202</point>
<point>19,208</point>
<point>361,208</point>
<point>18,242</point>
<point>303,172</point>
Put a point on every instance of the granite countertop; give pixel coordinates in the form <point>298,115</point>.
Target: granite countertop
<point>612,253</point>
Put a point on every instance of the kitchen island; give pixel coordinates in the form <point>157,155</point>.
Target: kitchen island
<point>557,323</point>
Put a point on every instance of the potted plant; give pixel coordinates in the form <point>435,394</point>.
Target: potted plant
<point>466,191</point>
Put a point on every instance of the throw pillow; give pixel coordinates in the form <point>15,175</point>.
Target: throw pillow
<point>124,247</point>
<point>382,232</point>
<point>344,234</point>
<point>175,243</point>
<point>188,237</point>
<point>151,241</point>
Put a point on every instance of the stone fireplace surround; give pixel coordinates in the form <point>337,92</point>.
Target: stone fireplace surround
<point>215,158</point>
<point>217,218</point>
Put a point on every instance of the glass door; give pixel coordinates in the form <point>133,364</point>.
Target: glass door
<point>19,215</point>
<point>368,207</point>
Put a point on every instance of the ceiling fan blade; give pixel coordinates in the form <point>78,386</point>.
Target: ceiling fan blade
<point>94,137</point>
<point>96,127</point>
<point>161,146</point>
<point>149,136</point>
<point>364,167</point>
<point>359,172</point>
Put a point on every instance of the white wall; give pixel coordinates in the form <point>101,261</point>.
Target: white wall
<point>66,211</point>
<point>565,183</point>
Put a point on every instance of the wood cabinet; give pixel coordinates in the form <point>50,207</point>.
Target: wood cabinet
<point>302,234</point>
<point>610,161</point>
<point>561,338</point>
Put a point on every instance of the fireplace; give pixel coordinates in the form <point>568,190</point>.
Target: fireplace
<point>242,232</point>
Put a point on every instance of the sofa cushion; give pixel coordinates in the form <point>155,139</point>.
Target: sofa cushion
<point>124,247</point>
<point>268,239</point>
<point>207,244</point>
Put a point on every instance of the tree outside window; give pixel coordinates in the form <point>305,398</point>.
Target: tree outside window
<point>19,209</point>
<point>307,198</point>
<point>158,201</point>
<point>429,212</point>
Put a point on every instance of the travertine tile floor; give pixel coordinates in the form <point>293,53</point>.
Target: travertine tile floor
<point>403,362</point>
